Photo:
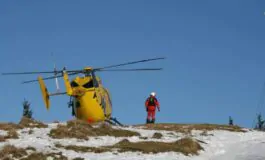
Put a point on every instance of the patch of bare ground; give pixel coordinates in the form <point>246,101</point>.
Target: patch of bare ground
<point>187,146</point>
<point>9,152</point>
<point>187,128</point>
<point>82,130</point>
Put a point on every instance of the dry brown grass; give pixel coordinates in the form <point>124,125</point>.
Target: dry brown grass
<point>84,148</point>
<point>7,158</point>
<point>2,139</point>
<point>187,146</point>
<point>62,132</point>
<point>79,158</point>
<point>82,130</point>
<point>35,156</point>
<point>9,151</point>
<point>24,123</point>
<point>30,123</point>
<point>107,130</point>
<point>9,126</point>
<point>12,128</point>
<point>187,128</point>
<point>41,156</point>
<point>11,134</point>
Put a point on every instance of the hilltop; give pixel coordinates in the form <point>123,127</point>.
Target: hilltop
<point>77,140</point>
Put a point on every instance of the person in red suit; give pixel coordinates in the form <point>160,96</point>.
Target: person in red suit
<point>151,104</point>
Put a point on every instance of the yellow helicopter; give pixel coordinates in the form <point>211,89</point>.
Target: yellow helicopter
<point>90,101</point>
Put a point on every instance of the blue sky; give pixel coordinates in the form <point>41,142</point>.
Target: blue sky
<point>214,68</point>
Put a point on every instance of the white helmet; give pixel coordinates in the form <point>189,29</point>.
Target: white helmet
<point>153,94</point>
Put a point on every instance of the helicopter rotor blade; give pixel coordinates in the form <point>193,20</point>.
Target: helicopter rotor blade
<point>47,78</point>
<point>42,72</point>
<point>128,63</point>
<point>14,73</point>
<point>140,69</point>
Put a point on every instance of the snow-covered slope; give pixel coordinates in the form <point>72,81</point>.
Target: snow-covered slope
<point>217,144</point>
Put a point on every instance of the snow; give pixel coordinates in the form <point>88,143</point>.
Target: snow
<point>3,133</point>
<point>219,145</point>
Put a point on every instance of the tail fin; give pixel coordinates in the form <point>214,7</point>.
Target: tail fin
<point>45,93</point>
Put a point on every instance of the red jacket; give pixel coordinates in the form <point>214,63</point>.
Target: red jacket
<point>152,101</point>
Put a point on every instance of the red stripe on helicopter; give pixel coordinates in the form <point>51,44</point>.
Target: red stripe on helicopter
<point>90,120</point>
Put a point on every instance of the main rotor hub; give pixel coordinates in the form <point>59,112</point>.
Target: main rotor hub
<point>88,69</point>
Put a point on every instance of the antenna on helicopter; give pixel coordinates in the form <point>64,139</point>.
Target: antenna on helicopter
<point>56,78</point>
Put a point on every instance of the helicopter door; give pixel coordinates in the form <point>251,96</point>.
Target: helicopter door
<point>108,104</point>
<point>95,82</point>
<point>98,93</point>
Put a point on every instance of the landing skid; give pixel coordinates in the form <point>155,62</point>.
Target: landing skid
<point>114,121</point>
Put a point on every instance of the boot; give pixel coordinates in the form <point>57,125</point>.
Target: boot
<point>147,121</point>
<point>153,121</point>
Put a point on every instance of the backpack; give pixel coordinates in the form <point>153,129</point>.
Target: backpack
<point>151,101</point>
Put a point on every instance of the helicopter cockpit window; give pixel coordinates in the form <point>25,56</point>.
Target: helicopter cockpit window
<point>74,84</point>
<point>88,84</point>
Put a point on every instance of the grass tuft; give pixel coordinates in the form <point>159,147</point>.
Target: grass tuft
<point>187,146</point>
<point>9,126</point>
<point>82,130</point>
<point>83,148</point>
<point>9,151</point>
<point>11,134</point>
<point>42,156</point>
<point>30,123</point>
<point>187,128</point>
